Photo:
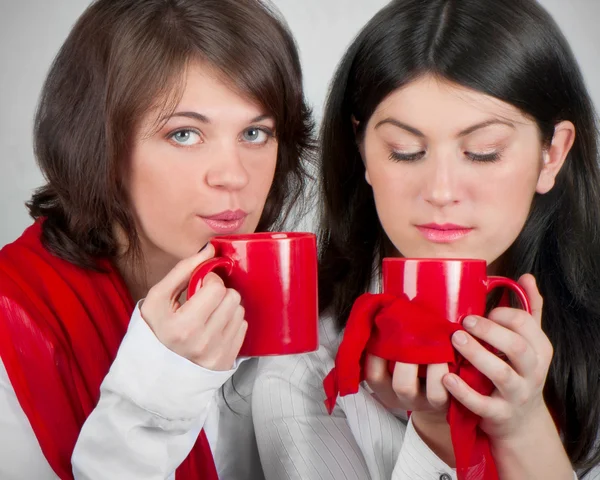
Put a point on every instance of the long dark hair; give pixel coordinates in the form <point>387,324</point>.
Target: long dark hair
<point>122,57</point>
<point>513,51</point>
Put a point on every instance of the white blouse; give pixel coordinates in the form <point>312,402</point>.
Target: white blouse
<point>299,440</point>
<point>152,407</point>
<point>153,404</point>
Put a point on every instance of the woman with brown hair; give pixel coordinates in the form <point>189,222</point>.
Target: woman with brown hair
<point>162,123</point>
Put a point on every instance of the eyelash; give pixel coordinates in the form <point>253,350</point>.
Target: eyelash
<point>406,157</point>
<point>412,157</point>
<point>267,131</point>
<point>487,158</point>
<point>171,135</point>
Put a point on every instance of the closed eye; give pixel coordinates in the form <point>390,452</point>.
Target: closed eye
<point>483,157</point>
<point>406,157</point>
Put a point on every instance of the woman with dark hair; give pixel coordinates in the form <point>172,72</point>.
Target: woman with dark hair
<point>162,123</point>
<point>454,129</point>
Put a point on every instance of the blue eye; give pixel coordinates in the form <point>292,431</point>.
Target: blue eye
<point>256,135</point>
<point>185,137</point>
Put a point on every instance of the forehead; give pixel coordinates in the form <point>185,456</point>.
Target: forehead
<point>436,102</point>
<point>204,85</point>
<point>202,89</point>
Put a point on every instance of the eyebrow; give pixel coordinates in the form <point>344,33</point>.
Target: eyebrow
<point>204,119</point>
<point>464,133</point>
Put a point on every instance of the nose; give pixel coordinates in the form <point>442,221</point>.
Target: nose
<point>441,184</point>
<point>227,170</point>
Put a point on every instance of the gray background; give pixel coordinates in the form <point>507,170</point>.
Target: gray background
<point>31,32</point>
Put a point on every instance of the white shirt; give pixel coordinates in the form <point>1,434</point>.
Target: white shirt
<point>154,403</point>
<point>299,440</point>
<point>152,407</point>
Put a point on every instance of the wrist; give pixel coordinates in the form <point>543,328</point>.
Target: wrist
<point>534,451</point>
<point>539,424</point>
<point>434,430</point>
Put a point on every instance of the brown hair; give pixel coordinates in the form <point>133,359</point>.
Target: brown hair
<point>120,57</point>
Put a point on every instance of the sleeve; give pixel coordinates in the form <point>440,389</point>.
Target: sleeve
<point>20,453</point>
<point>589,474</point>
<point>593,474</point>
<point>296,437</point>
<point>418,462</point>
<point>298,440</point>
<point>152,406</point>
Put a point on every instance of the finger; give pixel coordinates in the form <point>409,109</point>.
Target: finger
<point>506,380</point>
<point>211,277</point>
<point>517,349</point>
<point>437,395</point>
<point>536,301</point>
<point>230,330</point>
<point>380,381</point>
<point>238,340</point>
<point>175,282</point>
<point>224,313</point>
<point>405,383</point>
<point>227,314</point>
<point>228,350</point>
<point>524,325</point>
<point>482,405</point>
<point>201,305</point>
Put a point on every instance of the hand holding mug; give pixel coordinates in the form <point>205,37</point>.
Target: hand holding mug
<point>452,288</point>
<point>275,274</point>
<point>517,402</point>
<point>209,328</point>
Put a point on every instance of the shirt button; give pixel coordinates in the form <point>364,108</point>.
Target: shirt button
<point>445,476</point>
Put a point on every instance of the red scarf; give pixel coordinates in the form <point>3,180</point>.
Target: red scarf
<point>60,329</point>
<point>399,330</point>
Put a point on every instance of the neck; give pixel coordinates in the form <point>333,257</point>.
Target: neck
<point>141,273</point>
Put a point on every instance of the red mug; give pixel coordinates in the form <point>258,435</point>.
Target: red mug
<point>275,273</point>
<point>452,288</point>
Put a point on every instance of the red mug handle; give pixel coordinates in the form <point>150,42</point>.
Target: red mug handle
<point>495,282</point>
<point>205,268</point>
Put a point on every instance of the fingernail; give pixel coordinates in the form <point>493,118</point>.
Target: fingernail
<point>451,380</point>
<point>205,245</point>
<point>469,322</point>
<point>459,338</point>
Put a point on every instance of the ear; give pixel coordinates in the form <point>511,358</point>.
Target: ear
<point>554,156</point>
<point>355,124</point>
<point>361,149</point>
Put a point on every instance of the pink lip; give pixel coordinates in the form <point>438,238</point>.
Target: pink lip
<point>446,233</point>
<point>226,222</point>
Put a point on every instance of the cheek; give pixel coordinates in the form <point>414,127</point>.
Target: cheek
<point>393,184</point>
<point>157,184</point>
<point>504,206</point>
<point>261,166</point>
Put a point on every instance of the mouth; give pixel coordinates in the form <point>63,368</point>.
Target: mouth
<point>446,233</point>
<point>226,222</point>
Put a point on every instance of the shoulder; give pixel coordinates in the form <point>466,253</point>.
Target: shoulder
<point>26,269</point>
<point>25,259</point>
<point>32,282</point>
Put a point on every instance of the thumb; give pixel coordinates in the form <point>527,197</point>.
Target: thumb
<point>536,301</point>
<point>176,281</point>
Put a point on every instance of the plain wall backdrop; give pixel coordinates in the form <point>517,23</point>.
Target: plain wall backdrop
<point>32,31</point>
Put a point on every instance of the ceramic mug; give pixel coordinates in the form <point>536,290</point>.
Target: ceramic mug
<point>453,288</point>
<point>276,276</point>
